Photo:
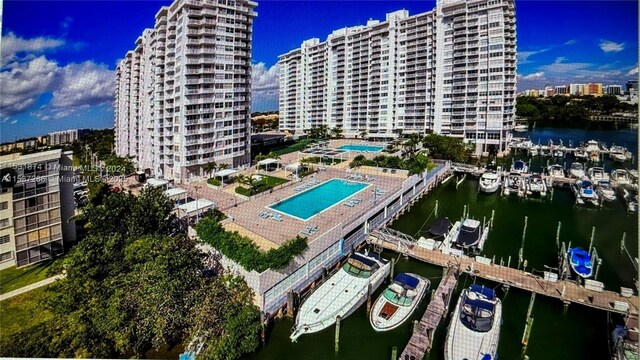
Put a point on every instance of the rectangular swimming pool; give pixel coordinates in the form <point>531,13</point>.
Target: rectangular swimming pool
<point>309,203</point>
<point>361,148</point>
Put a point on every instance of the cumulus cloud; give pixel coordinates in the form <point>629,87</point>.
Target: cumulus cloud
<point>13,46</point>
<point>73,87</point>
<point>610,46</point>
<point>24,83</point>
<point>264,83</point>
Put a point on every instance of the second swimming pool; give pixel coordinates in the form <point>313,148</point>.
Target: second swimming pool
<point>361,148</point>
<point>311,202</point>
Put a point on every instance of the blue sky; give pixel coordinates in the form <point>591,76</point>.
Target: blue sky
<point>58,57</point>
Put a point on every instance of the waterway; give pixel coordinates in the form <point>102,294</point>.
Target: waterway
<point>577,333</point>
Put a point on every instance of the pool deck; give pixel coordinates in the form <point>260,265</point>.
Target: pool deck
<point>269,233</point>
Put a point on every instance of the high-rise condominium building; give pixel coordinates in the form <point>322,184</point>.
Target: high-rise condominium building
<point>613,90</point>
<point>35,212</point>
<point>183,95</point>
<point>451,71</point>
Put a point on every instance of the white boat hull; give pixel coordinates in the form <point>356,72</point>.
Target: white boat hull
<point>462,343</point>
<point>332,299</point>
<point>401,314</point>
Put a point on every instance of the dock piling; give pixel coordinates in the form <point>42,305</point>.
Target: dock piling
<point>524,234</point>
<point>393,263</point>
<point>558,235</point>
<point>290,303</point>
<point>337,338</point>
<point>369,298</point>
<point>394,353</point>
<point>595,277</point>
<point>493,213</point>
<point>593,232</point>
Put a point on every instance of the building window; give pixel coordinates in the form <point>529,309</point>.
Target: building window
<point>4,205</point>
<point>4,223</point>
<point>6,256</point>
<point>4,239</point>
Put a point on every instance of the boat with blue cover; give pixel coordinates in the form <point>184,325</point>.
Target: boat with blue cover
<point>519,167</point>
<point>474,330</point>
<point>398,301</point>
<point>580,262</point>
<point>584,193</point>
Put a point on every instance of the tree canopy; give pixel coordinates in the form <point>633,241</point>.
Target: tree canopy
<point>131,287</point>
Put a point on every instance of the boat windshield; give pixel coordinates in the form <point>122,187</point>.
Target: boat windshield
<point>357,268</point>
<point>577,166</point>
<point>399,299</point>
<point>477,314</point>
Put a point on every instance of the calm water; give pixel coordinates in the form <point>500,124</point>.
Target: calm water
<point>578,333</point>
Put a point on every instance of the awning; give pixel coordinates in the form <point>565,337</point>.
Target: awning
<point>175,192</point>
<point>196,206</point>
<point>226,172</point>
<point>268,162</point>
<point>157,182</point>
<point>293,166</point>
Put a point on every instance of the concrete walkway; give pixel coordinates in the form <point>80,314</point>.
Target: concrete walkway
<point>30,287</point>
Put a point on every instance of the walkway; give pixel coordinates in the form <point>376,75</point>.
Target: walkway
<point>30,287</point>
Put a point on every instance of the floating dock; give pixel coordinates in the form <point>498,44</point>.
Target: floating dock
<point>625,302</point>
<point>423,331</point>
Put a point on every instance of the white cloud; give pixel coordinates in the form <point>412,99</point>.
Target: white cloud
<point>13,45</point>
<point>24,83</point>
<point>537,75</point>
<point>571,42</point>
<point>633,71</point>
<point>523,56</point>
<point>610,46</point>
<point>87,83</point>
<point>264,83</point>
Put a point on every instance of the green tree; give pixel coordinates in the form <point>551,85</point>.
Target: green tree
<point>210,167</point>
<point>337,132</point>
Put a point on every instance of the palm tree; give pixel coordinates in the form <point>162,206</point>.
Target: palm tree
<point>411,145</point>
<point>210,167</point>
<point>363,134</point>
<point>336,132</point>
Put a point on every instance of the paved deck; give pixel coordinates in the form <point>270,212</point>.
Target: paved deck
<point>565,290</point>
<point>245,215</point>
<point>421,339</point>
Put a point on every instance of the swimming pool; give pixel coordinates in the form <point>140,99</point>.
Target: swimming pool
<point>361,148</point>
<point>309,203</point>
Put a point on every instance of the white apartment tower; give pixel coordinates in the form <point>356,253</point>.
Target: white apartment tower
<point>450,71</point>
<point>183,95</point>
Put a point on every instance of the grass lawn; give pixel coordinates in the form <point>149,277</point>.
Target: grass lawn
<point>13,278</point>
<point>267,182</point>
<point>294,147</point>
<point>23,311</point>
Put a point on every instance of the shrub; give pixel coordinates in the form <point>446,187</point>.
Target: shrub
<point>214,182</point>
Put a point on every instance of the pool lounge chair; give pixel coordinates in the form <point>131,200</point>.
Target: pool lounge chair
<point>348,203</point>
<point>276,217</point>
<point>264,214</point>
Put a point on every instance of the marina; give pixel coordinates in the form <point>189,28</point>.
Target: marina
<point>615,271</point>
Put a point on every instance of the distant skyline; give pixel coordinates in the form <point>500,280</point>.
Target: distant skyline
<point>59,74</point>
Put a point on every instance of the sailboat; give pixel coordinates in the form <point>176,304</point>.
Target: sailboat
<point>580,262</point>
<point>341,294</point>
<point>474,330</point>
<point>398,301</point>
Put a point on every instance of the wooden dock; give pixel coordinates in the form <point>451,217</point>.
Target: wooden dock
<point>423,331</point>
<point>565,290</point>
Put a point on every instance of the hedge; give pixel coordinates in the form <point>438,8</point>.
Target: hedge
<point>244,251</point>
<point>214,182</point>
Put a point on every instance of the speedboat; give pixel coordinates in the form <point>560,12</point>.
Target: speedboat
<point>558,153</point>
<point>620,177</point>
<point>580,262</point>
<point>592,146</point>
<point>398,301</point>
<point>490,181</point>
<point>514,185</point>
<point>468,235</point>
<point>341,294</point>
<point>580,154</point>
<point>437,233</point>
<point>536,185</point>
<point>605,191</point>
<point>619,153</point>
<point>545,151</point>
<point>583,191</point>
<point>631,199</point>
<point>556,171</point>
<point>521,128</point>
<point>519,167</point>
<point>577,170</point>
<point>474,330</point>
<point>625,340</point>
<point>596,174</point>
<point>533,151</point>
